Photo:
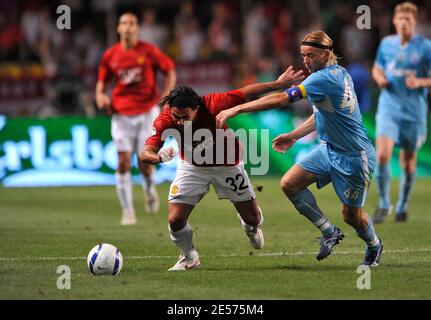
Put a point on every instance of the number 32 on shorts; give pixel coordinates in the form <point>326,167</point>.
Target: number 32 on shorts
<point>237,184</point>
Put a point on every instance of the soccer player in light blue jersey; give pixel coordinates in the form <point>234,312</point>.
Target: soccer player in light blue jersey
<point>345,156</point>
<point>402,70</point>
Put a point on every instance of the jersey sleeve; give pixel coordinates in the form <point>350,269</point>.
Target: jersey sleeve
<point>161,60</point>
<point>315,87</point>
<point>217,102</point>
<point>104,70</point>
<point>159,125</point>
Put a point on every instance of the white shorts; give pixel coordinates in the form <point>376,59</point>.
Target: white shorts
<point>192,183</point>
<point>131,132</point>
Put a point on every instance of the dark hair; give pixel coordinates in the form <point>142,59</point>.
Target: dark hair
<point>182,97</point>
<point>128,13</point>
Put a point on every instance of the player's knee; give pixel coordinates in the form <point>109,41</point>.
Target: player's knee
<point>176,223</point>
<point>353,218</point>
<point>176,218</point>
<point>383,158</point>
<point>349,219</point>
<point>288,187</point>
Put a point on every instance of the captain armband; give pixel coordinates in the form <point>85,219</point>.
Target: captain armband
<point>296,93</point>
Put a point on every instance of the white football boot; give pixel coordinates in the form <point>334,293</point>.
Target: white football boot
<point>254,234</point>
<point>186,264</point>
<point>128,218</point>
<point>152,203</point>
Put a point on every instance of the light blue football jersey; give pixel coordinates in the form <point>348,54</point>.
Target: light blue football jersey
<point>398,61</point>
<point>337,117</point>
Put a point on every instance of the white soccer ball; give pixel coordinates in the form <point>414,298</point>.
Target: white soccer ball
<point>105,259</point>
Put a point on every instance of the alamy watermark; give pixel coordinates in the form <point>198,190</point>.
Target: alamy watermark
<point>364,280</point>
<point>364,20</point>
<point>64,21</point>
<point>223,146</point>
<point>64,280</point>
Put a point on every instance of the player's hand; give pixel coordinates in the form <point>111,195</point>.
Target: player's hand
<point>224,115</point>
<point>382,82</point>
<point>290,77</point>
<point>103,101</point>
<point>412,82</point>
<point>167,154</point>
<point>283,142</point>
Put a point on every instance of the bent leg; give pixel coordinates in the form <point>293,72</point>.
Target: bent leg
<point>294,185</point>
<point>181,232</point>
<point>408,166</point>
<point>152,203</point>
<point>124,187</point>
<point>147,174</point>
<point>385,148</point>
<point>251,218</point>
<point>363,225</point>
<point>249,212</point>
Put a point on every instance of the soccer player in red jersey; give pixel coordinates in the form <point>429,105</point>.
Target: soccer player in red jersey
<point>186,114</point>
<point>133,66</point>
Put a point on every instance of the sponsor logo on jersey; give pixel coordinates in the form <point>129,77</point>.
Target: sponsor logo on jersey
<point>128,76</point>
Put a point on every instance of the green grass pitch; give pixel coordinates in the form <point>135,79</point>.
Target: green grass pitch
<point>41,229</point>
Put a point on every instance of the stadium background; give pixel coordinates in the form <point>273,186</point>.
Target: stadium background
<point>47,75</point>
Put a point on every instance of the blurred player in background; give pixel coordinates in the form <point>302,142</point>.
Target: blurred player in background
<point>133,65</point>
<point>227,175</point>
<point>345,156</point>
<point>402,70</point>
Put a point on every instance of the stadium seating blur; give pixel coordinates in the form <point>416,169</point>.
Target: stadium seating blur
<point>217,45</point>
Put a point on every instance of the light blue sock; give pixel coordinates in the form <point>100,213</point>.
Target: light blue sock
<point>406,187</point>
<point>384,185</point>
<point>368,234</point>
<point>305,203</point>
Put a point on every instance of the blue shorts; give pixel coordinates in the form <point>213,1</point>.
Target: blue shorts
<point>408,135</point>
<point>350,174</point>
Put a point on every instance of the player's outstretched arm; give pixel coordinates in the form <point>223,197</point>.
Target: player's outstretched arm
<point>150,155</point>
<point>153,154</point>
<point>271,101</point>
<point>283,142</point>
<point>286,80</point>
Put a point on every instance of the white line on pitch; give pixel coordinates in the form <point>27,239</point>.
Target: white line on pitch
<point>269,254</point>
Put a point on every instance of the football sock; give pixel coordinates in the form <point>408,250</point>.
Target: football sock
<point>384,185</point>
<point>368,234</point>
<point>406,187</point>
<point>305,203</point>
<point>183,239</point>
<point>124,188</point>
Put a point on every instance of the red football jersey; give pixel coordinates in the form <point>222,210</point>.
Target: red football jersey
<point>205,119</point>
<point>134,72</point>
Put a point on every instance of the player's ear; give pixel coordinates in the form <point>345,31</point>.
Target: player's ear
<point>394,19</point>
<point>118,26</point>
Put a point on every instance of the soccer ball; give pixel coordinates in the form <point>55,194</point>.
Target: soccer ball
<point>105,259</point>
